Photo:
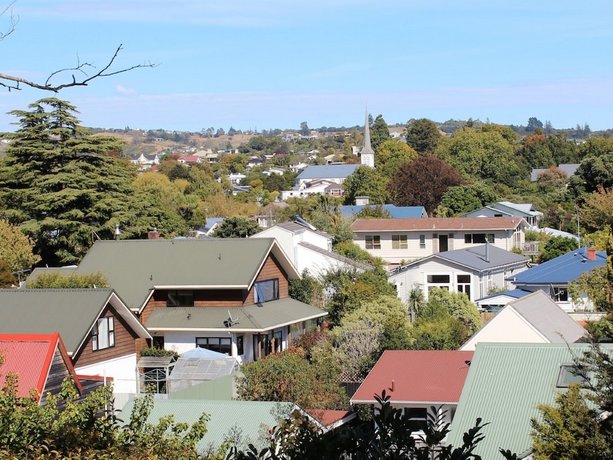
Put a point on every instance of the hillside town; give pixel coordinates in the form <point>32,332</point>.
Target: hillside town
<point>433,284</point>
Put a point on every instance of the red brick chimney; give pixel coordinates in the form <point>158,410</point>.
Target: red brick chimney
<point>591,253</point>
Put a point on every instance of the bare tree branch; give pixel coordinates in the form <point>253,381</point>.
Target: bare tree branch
<point>12,82</point>
<point>12,22</point>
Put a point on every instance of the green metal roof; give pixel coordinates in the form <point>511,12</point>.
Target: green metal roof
<point>221,388</point>
<point>504,386</point>
<point>71,312</point>
<point>251,419</point>
<point>134,267</point>
<point>252,318</point>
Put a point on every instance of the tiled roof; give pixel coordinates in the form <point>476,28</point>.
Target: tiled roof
<point>436,223</point>
<point>560,270</point>
<point>419,376</point>
<point>504,387</point>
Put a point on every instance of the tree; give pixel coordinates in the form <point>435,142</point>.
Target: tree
<point>16,249</point>
<point>592,284</point>
<point>288,376</point>
<point>236,227</point>
<point>557,246</point>
<point>595,169</point>
<point>391,154</point>
<point>423,136</point>
<point>534,124</point>
<point>469,197</point>
<point>56,280</point>
<point>366,181</point>
<point>423,182</point>
<point>379,133</point>
<point>304,129</point>
<point>62,186</point>
<point>597,209</point>
<point>456,304</point>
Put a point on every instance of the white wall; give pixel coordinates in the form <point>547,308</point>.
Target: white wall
<point>122,370</point>
<point>506,326</point>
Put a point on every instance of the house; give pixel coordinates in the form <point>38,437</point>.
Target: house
<point>508,209</point>
<point>567,168</point>
<point>307,248</point>
<point>533,318</point>
<point>416,380</point>
<point>40,363</point>
<point>316,187</point>
<point>228,295</point>
<point>475,271</point>
<point>554,276</point>
<point>504,387</point>
<point>101,334</point>
<point>314,175</point>
<point>245,422</point>
<point>399,241</point>
<point>494,302</point>
<point>209,227</point>
<point>189,159</point>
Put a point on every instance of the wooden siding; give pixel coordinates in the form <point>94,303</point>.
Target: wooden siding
<point>125,343</point>
<point>271,270</point>
<point>224,298</point>
<point>57,375</point>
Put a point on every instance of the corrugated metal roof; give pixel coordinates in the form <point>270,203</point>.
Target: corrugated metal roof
<point>476,258</point>
<point>397,212</point>
<point>560,270</point>
<point>252,318</point>
<point>252,418</point>
<point>71,312</point>
<point>437,223</point>
<point>327,171</point>
<point>423,376</point>
<point>135,267</point>
<point>504,386</point>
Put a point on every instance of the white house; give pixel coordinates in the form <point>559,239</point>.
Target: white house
<point>475,271</point>
<point>508,209</point>
<point>398,241</point>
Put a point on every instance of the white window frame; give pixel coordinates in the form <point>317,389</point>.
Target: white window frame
<point>372,241</point>
<point>400,241</point>
<point>103,333</point>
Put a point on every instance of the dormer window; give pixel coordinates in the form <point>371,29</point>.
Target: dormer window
<point>180,298</point>
<point>265,291</point>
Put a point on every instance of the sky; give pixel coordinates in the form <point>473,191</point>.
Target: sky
<point>263,64</point>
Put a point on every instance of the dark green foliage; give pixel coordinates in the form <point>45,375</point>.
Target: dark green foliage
<point>62,186</point>
<point>366,181</point>
<point>374,212</point>
<point>423,182</point>
<point>236,227</point>
<point>353,251</point>
<point>379,132</point>
<point>159,353</point>
<point>387,437</point>
<point>557,246</point>
<point>465,198</point>
<point>423,136</point>
<point>305,288</point>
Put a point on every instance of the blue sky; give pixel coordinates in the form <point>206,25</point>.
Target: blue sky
<point>275,63</point>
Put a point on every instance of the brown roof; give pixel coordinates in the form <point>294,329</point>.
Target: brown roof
<point>436,223</point>
<point>418,376</point>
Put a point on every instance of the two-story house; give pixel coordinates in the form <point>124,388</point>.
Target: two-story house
<point>399,241</point>
<point>226,295</point>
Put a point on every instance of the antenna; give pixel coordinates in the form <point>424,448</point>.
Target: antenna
<point>230,321</point>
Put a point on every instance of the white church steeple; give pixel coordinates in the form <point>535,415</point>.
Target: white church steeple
<point>367,154</point>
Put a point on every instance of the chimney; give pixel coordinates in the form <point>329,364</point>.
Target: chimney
<point>362,200</point>
<point>153,234</point>
<point>591,253</point>
<point>487,251</point>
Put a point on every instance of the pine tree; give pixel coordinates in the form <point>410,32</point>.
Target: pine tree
<point>62,186</point>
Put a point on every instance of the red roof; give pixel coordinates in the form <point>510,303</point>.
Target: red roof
<point>327,417</point>
<point>30,357</point>
<point>417,376</point>
<point>436,223</point>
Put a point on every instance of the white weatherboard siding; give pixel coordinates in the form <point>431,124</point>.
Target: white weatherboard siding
<point>121,370</point>
<point>506,326</point>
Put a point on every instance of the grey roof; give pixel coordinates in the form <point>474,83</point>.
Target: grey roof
<point>71,312</point>
<point>64,271</point>
<point>135,267</point>
<point>252,318</point>
<point>567,168</point>
<point>327,171</point>
<point>547,318</point>
<point>334,255</point>
<point>252,419</point>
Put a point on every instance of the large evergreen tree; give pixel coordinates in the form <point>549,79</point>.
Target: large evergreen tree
<point>379,133</point>
<point>61,185</point>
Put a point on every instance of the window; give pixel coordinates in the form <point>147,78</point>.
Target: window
<point>463,282</point>
<point>560,294</point>
<point>218,344</point>
<point>422,241</point>
<point>478,238</point>
<point>568,376</point>
<point>373,242</point>
<point>399,242</point>
<point>103,334</point>
<point>277,341</point>
<point>418,418</point>
<point>240,345</point>
<point>265,291</point>
<point>181,298</point>
<point>438,279</point>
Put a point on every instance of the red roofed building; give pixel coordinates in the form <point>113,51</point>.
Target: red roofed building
<point>415,380</point>
<point>396,240</point>
<point>40,362</point>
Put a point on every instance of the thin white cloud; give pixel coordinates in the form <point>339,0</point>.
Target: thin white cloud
<point>122,90</point>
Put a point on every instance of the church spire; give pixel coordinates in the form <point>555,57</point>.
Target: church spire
<point>367,154</point>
